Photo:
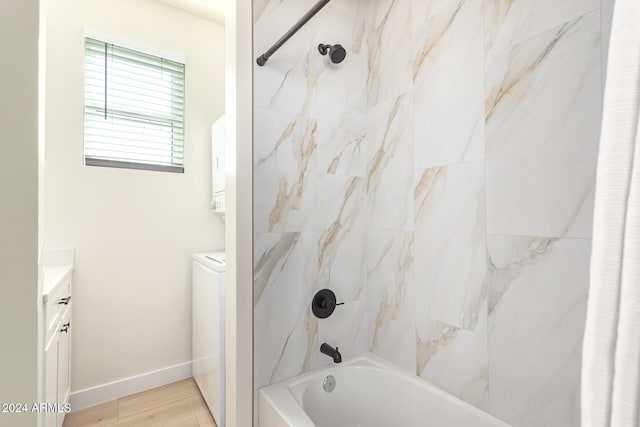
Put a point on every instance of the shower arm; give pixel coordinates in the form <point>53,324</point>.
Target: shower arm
<point>262,59</point>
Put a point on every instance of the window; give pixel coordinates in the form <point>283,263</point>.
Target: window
<point>133,109</point>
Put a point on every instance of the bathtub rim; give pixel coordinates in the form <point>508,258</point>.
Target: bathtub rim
<point>285,396</point>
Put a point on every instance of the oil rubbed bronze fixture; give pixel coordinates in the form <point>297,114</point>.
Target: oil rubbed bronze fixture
<point>336,52</point>
<point>333,353</point>
<point>323,304</point>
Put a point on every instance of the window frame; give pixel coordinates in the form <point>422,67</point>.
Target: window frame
<point>131,115</point>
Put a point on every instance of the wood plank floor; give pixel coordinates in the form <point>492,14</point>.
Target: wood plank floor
<point>174,405</point>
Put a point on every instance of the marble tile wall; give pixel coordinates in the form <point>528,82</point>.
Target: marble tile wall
<point>450,220</point>
<point>537,306</point>
<point>543,109</point>
<point>310,187</point>
<point>391,293</point>
<point>548,154</point>
<point>440,181</point>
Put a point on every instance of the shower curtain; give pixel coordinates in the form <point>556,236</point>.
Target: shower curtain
<point>611,352</point>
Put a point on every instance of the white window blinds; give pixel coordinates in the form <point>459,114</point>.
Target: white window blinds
<point>133,109</point>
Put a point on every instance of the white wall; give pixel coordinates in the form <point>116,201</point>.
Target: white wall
<point>19,241</point>
<point>133,231</point>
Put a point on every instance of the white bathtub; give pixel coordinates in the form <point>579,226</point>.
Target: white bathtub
<point>369,392</point>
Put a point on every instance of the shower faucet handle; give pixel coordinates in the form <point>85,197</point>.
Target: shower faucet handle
<point>324,303</point>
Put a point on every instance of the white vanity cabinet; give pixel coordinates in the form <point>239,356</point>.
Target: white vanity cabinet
<point>56,381</point>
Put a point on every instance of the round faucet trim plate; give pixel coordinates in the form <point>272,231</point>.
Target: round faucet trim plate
<point>323,304</point>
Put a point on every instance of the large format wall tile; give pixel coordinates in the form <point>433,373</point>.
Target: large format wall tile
<point>448,65</point>
<point>543,108</point>
<point>450,249</point>
<point>370,181</point>
<point>310,169</point>
<point>342,102</point>
<point>346,329</point>
<point>389,50</point>
<point>509,22</point>
<point>285,172</point>
<point>339,257</point>
<point>390,165</point>
<point>341,203</point>
<point>338,263</point>
<point>453,359</point>
<point>537,308</point>
<point>285,332</point>
<point>422,11</point>
<point>390,286</point>
<point>341,138</point>
<point>288,82</point>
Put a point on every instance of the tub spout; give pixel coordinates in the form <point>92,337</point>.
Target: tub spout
<point>331,352</point>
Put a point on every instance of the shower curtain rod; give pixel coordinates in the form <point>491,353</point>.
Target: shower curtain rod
<point>262,59</point>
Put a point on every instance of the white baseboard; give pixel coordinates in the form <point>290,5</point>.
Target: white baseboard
<point>106,392</point>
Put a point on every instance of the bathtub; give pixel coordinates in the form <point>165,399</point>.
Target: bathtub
<point>368,392</point>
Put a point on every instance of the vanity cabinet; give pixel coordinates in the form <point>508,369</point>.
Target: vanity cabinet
<point>56,381</point>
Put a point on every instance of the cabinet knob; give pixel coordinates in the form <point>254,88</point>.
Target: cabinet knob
<point>65,300</point>
<point>65,327</point>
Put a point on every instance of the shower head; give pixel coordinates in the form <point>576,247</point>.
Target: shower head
<point>336,52</point>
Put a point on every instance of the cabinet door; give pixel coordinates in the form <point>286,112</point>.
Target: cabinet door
<point>51,355</point>
<point>64,371</point>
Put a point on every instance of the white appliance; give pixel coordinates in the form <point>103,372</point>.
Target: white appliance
<point>218,141</point>
<point>208,351</point>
